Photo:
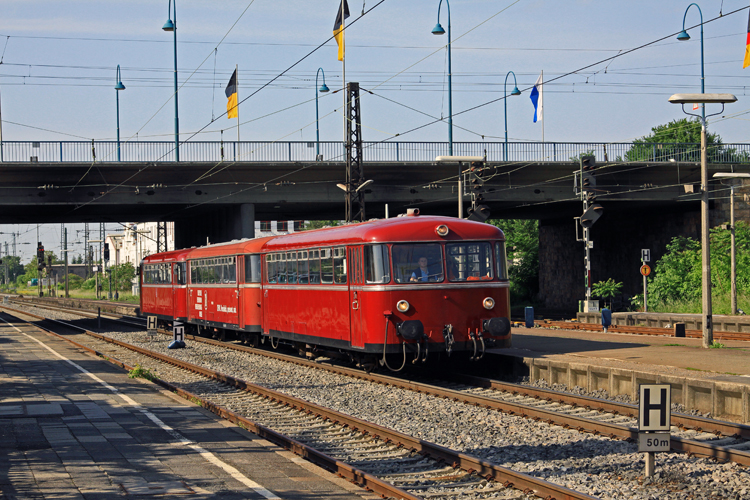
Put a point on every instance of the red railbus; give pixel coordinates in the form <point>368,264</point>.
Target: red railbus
<point>402,287</point>
<point>164,285</point>
<point>408,288</point>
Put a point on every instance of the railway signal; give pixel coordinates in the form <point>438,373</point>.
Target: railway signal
<point>478,211</point>
<point>106,251</point>
<point>585,185</point>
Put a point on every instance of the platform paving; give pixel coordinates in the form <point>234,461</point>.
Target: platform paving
<point>66,434</point>
<point>660,353</point>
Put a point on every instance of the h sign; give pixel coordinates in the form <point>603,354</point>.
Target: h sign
<point>151,323</point>
<point>654,408</point>
<point>645,255</point>
<point>178,332</point>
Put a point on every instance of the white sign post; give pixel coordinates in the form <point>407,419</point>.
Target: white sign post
<point>151,327</point>
<point>654,421</point>
<point>178,332</point>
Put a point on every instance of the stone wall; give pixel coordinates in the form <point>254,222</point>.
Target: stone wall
<point>618,240</point>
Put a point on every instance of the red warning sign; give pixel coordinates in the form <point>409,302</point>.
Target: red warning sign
<point>645,270</point>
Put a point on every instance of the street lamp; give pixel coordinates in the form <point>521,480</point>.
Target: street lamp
<point>684,37</point>
<point>459,160</point>
<point>118,88</point>
<point>732,179</point>
<point>708,329</point>
<point>323,88</point>
<point>438,30</point>
<point>515,91</point>
<point>172,26</point>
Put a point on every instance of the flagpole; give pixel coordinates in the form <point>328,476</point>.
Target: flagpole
<point>542,97</point>
<point>237,88</point>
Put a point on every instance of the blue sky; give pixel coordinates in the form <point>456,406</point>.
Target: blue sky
<point>58,68</point>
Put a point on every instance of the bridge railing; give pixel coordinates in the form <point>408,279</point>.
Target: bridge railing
<point>305,151</point>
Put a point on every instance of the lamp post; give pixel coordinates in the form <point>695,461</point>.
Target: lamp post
<point>708,331</point>
<point>459,160</point>
<point>684,37</point>
<point>118,88</point>
<point>732,180</point>
<point>172,26</point>
<point>515,91</point>
<point>438,30</point>
<point>322,89</point>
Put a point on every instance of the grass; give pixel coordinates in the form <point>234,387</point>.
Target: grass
<point>80,293</point>
<point>720,304</point>
<point>140,372</point>
<point>716,345</point>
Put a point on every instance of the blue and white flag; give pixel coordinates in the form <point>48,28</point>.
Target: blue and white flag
<point>537,99</point>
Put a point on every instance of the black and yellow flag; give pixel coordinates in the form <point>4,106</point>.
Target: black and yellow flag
<point>231,93</point>
<point>338,28</point>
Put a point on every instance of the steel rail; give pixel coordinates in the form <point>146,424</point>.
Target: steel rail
<point>473,465</point>
<point>639,330</point>
<point>582,424</point>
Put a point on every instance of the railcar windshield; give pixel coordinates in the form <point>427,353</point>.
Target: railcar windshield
<point>469,261</point>
<point>418,262</point>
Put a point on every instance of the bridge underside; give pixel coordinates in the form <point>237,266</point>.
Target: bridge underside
<point>103,192</point>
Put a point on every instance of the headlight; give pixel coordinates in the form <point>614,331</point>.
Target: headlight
<point>402,306</point>
<point>488,303</point>
<point>442,230</point>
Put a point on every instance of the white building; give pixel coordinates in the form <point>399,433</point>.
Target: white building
<point>136,242</point>
<point>139,240</point>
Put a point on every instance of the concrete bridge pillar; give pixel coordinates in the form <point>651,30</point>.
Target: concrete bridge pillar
<point>618,240</point>
<point>222,224</point>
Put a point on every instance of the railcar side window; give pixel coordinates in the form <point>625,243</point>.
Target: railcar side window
<point>291,268</point>
<point>377,266</point>
<point>501,260</point>
<point>212,271</point>
<point>180,278</point>
<point>326,266</point>
<point>271,272</point>
<point>339,265</point>
<point>314,267</point>
<point>418,263</point>
<point>252,269</point>
<point>157,274</point>
<point>303,273</point>
<point>469,261</point>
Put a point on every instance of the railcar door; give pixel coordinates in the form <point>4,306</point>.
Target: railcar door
<point>356,271</point>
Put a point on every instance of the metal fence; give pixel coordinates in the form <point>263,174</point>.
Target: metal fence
<point>299,151</point>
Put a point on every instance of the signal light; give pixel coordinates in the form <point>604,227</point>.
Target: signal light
<point>106,251</point>
<point>591,215</point>
<point>588,165</point>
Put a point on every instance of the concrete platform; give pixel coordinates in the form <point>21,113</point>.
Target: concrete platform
<point>74,426</point>
<point>707,380</point>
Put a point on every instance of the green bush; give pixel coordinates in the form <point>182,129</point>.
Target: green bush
<point>89,284</point>
<point>677,276</point>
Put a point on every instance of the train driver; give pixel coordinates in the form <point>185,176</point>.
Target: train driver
<point>422,273</point>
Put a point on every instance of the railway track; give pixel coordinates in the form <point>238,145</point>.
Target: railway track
<point>388,462</point>
<point>694,435</point>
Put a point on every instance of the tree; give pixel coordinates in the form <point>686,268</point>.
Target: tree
<point>606,289</point>
<point>678,274</point>
<point>522,247</point>
<point>678,140</point>
<point>318,224</point>
<point>122,276</point>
